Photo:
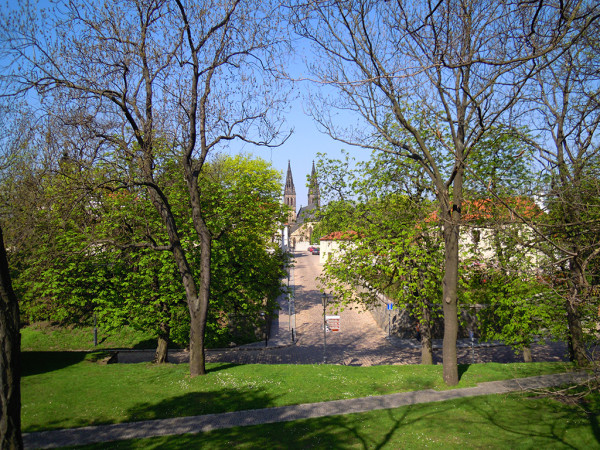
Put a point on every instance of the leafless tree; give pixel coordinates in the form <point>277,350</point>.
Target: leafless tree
<point>458,63</point>
<point>565,120</point>
<point>143,83</point>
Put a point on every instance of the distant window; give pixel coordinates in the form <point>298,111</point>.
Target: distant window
<point>476,236</point>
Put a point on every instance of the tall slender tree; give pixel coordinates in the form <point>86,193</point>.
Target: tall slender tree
<point>14,132</point>
<point>10,361</point>
<point>379,211</point>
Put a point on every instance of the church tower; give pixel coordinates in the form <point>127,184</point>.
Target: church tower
<point>313,189</point>
<point>289,195</point>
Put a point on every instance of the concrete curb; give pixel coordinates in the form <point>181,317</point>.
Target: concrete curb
<point>438,343</point>
<point>246,348</point>
<point>199,424</point>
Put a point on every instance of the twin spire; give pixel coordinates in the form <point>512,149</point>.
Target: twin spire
<point>289,181</point>
<point>313,188</point>
<point>289,193</point>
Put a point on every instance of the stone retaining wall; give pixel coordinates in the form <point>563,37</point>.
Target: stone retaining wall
<point>404,326</point>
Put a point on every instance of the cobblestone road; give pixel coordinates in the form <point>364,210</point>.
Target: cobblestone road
<point>360,342</point>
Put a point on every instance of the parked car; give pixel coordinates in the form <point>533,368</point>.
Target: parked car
<point>316,251</point>
<point>310,249</point>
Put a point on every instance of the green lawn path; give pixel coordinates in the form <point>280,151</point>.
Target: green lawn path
<point>67,389</point>
<point>64,389</point>
<point>493,421</point>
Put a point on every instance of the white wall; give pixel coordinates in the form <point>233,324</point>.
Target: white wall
<point>327,248</point>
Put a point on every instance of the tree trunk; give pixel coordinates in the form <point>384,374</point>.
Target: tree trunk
<point>577,351</point>
<point>199,310</point>
<point>162,350</point>
<point>426,336</point>
<point>527,355</point>
<point>10,365</point>
<point>164,333</point>
<point>164,330</point>
<point>576,346</point>
<point>450,309</point>
<point>197,298</point>
<point>426,349</point>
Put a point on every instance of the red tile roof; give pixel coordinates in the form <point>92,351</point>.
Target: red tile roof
<point>340,236</point>
<point>493,209</point>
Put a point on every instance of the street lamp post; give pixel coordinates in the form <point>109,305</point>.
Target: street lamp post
<point>95,330</point>
<point>324,300</point>
<point>472,337</point>
<point>264,316</point>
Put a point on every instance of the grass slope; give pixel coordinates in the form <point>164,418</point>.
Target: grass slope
<point>66,389</point>
<point>43,337</point>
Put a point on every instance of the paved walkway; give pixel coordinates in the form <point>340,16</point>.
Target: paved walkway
<point>199,424</point>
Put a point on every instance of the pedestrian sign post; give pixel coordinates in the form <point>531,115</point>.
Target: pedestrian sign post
<point>390,306</point>
<point>333,323</point>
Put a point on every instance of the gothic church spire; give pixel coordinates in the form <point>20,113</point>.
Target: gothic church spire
<point>313,188</point>
<point>289,194</point>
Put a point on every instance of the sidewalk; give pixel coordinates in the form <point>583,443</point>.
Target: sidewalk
<point>200,424</point>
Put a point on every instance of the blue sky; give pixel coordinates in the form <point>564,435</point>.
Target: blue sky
<point>306,141</point>
<point>301,149</point>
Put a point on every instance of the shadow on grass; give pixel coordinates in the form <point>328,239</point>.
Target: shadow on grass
<point>497,421</point>
<point>342,431</point>
<point>594,423</point>
<point>592,407</point>
<point>34,363</point>
<point>146,344</point>
<point>462,369</point>
<point>217,367</point>
<point>200,403</point>
<point>545,419</point>
<point>191,404</point>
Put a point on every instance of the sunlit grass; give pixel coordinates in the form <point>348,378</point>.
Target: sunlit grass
<point>43,337</point>
<point>63,390</point>
<point>493,421</point>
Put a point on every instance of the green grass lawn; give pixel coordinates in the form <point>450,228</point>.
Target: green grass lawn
<point>42,337</point>
<point>493,421</point>
<point>66,389</point>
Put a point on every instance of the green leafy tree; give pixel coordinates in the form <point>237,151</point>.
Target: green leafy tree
<point>244,216</point>
<point>518,308</point>
<point>500,270</point>
<point>565,115</point>
<point>102,265</point>
<point>389,244</point>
